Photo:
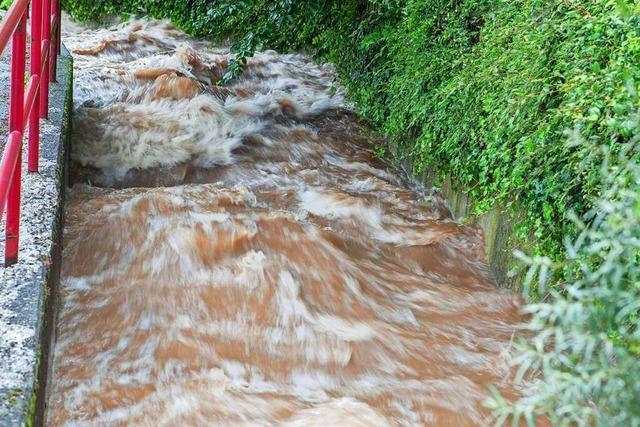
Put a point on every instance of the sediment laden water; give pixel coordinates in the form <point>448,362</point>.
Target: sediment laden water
<point>236,255</point>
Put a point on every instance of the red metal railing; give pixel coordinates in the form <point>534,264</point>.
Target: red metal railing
<point>44,45</point>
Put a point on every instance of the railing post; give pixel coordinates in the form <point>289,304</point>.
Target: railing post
<point>34,68</point>
<point>59,33</point>
<point>44,78</point>
<point>55,48</point>
<point>18,49</point>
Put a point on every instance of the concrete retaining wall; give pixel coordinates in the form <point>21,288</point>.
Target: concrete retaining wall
<point>498,227</point>
<point>28,289</point>
<point>496,224</point>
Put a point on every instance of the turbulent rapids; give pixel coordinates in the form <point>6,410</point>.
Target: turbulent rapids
<point>238,256</point>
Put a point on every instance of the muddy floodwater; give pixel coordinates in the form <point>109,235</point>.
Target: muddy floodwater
<point>237,256</point>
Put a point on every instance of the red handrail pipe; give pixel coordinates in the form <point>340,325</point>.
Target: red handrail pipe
<point>10,21</point>
<point>33,89</point>
<point>44,42</point>
<point>34,69</point>
<point>46,36</point>
<point>16,123</point>
<point>8,165</point>
<point>55,35</point>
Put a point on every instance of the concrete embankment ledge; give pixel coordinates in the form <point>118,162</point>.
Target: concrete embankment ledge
<point>28,289</point>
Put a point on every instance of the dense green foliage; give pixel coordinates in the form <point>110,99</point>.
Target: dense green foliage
<point>484,90</point>
<point>5,4</point>
<point>586,338</point>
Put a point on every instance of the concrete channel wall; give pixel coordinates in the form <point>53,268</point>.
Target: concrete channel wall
<point>498,224</point>
<point>28,289</point>
<point>498,229</point>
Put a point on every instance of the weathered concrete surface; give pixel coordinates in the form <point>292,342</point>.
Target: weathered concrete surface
<point>26,289</point>
<point>498,224</point>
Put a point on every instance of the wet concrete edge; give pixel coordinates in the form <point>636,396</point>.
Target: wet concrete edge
<point>497,224</point>
<point>36,283</point>
<point>498,227</point>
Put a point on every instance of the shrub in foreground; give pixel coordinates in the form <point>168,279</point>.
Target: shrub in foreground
<point>584,353</point>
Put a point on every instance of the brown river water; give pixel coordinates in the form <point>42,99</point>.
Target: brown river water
<point>238,256</point>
